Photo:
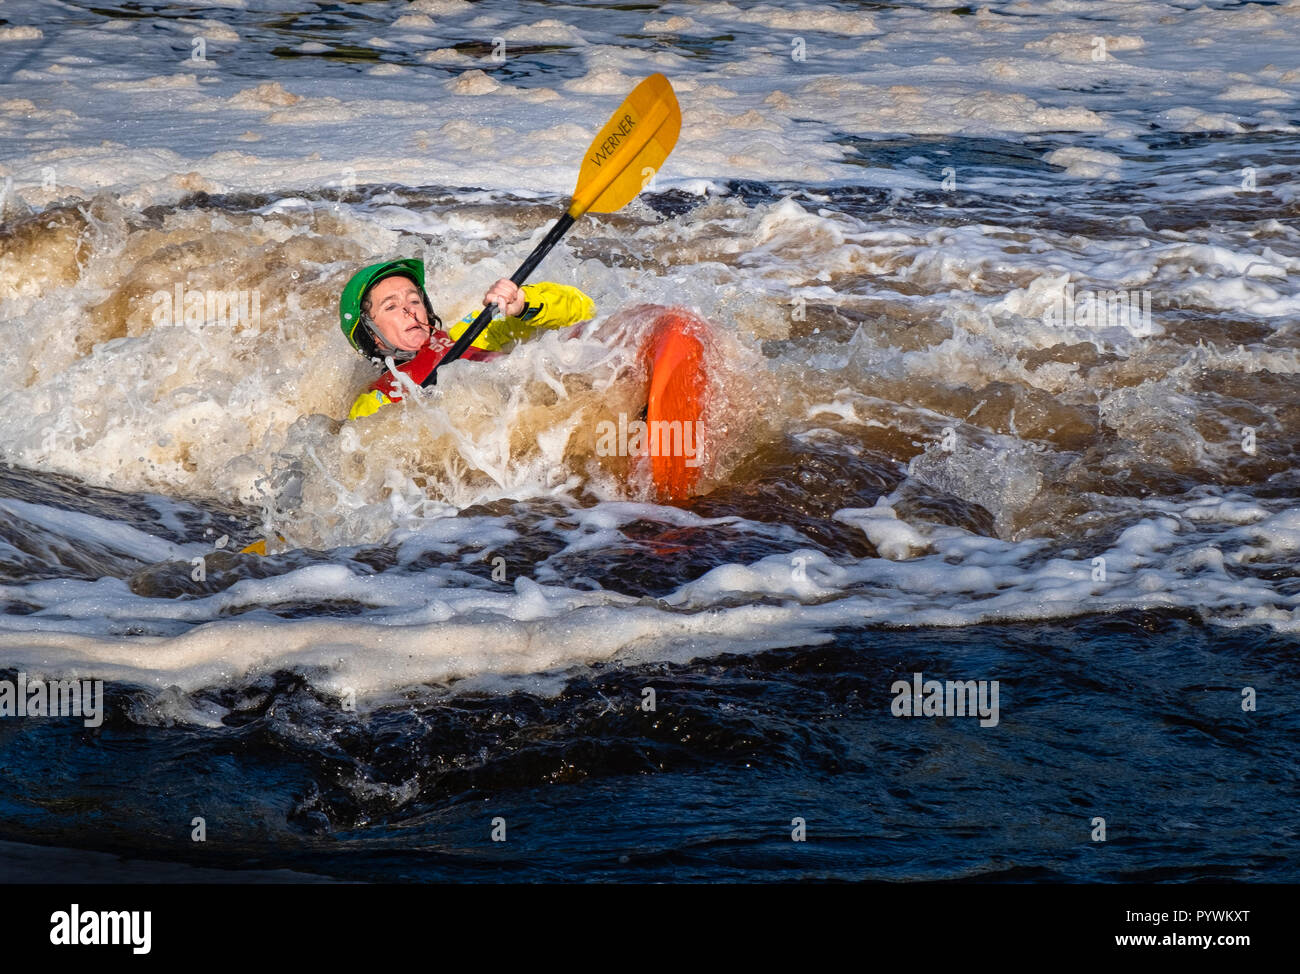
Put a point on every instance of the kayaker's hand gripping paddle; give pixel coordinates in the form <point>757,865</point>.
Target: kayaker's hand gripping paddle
<point>621,160</point>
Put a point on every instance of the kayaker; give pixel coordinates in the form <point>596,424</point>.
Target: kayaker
<point>385,312</point>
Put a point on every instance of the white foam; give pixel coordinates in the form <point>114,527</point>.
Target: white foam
<point>1205,555</point>
<point>894,539</point>
<point>112,536</point>
<point>944,73</point>
<point>1086,163</point>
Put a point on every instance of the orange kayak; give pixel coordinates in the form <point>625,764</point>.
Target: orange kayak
<point>674,356</point>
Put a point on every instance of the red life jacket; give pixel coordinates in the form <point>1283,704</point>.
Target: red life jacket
<point>424,362</point>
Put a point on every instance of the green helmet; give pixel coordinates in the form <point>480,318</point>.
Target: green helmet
<point>350,313</point>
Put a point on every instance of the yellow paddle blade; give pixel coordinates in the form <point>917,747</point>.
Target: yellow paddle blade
<point>629,150</point>
<point>259,547</point>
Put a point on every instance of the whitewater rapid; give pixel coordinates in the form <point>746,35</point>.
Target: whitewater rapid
<point>879,212</point>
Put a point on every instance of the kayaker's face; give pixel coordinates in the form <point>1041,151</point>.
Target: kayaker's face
<point>397,309</point>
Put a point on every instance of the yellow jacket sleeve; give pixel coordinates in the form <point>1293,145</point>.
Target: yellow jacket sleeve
<point>368,402</point>
<point>548,306</point>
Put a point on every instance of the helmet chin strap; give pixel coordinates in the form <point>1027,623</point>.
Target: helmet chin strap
<point>381,344</point>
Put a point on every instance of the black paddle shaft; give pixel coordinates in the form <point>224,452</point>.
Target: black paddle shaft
<point>527,267</point>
